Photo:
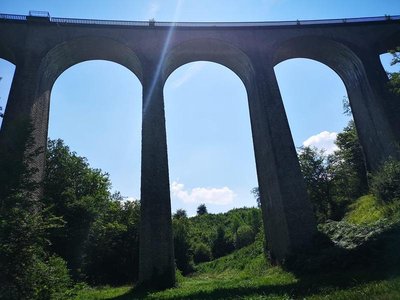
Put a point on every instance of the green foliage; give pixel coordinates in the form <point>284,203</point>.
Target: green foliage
<point>202,210</point>
<point>180,213</point>
<point>204,228</point>
<point>385,183</point>
<point>244,236</point>
<point>256,193</point>
<point>201,253</point>
<point>245,273</point>
<point>351,236</point>
<point>221,244</point>
<point>348,172</point>
<point>394,77</point>
<point>76,193</point>
<point>365,210</point>
<point>183,255</point>
<point>313,164</point>
<point>53,280</point>
<point>238,261</point>
<point>335,181</point>
<point>27,271</point>
<point>111,252</point>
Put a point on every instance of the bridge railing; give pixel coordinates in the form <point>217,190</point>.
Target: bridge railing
<point>199,24</point>
<point>99,22</point>
<point>13,17</point>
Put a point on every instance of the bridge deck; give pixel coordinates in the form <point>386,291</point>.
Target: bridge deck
<point>201,24</point>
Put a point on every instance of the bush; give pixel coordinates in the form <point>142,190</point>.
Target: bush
<point>385,183</point>
<point>52,279</point>
<point>221,244</point>
<point>201,253</point>
<point>244,236</point>
<point>183,255</point>
<point>112,249</point>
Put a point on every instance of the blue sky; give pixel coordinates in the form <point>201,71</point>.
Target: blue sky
<point>96,105</point>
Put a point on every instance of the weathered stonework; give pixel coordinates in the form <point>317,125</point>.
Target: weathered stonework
<point>42,49</point>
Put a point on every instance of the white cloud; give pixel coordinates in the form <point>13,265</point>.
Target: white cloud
<point>323,140</point>
<point>189,73</point>
<point>126,199</point>
<point>219,196</point>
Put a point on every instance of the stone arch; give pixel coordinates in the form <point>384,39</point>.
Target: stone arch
<point>375,134</point>
<point>211,50</point>
<point>59,59</point>
<point>67,54</point>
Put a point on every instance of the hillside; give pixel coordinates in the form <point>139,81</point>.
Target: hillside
<point>351,261</point>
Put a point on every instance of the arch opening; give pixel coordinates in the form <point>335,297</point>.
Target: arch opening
<point>96,109</point>
<point>313,97</point>
<point>105,98</point>
<point>6,76</point>
<point>386,60</point>
<point>320,118</point>
<point>211,159</point>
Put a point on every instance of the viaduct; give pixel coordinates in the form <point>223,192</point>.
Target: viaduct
<point>43,47</point>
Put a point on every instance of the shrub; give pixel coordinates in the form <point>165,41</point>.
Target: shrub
<point>201,253</point>
<point>385,183</point>
<point>52,279</point>
<point>244,236</point>
<point>221,244</point>
<point>183,256</point>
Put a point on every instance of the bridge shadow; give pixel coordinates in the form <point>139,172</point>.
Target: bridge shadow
<point>305,287</point>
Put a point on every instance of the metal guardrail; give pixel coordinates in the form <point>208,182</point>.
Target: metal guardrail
<point>200,24</point>
<point>13,17</point>
<point>99,22</point>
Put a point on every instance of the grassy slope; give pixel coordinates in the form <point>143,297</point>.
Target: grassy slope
<point>245,274</point>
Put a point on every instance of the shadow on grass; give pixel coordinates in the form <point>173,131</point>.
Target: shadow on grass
<point>329,269</point>
<point>306,286</point>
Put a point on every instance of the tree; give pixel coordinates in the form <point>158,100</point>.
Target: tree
<point>394,77</point>
<point>245,236</point>
<point>111,252</point>
<point>28,271</point>
<point>347,171</point>
<point>202,210</point>
<point>180,214</point>
<point>77,194</point>
<point>201,253</point>
<point>385,183</point>
<point>183,255</point>
<point>221,245</point>
<point>313,164</point>
<point>256,193</point>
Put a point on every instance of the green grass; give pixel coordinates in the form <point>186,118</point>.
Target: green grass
<point>102,293</point>
<point>274,284</point>
<point>245,274</point>
<point>368,268</point>
<point>366,210</point>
